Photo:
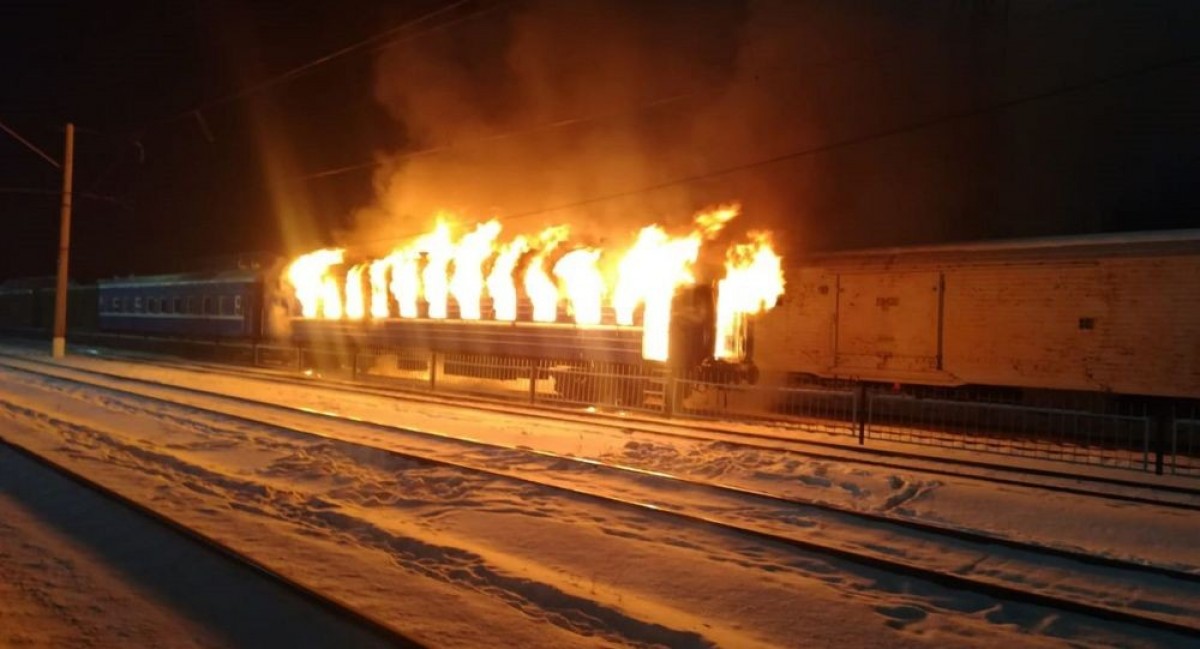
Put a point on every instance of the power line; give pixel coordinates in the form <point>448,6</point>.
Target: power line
<point>17,136</point>
<point>872,55</point>
<point>389,36</point>
<point>877,135</point>
<point>35,191</point>
<point>386,38</point>
<point>844,143</point>
<point>549,126</point>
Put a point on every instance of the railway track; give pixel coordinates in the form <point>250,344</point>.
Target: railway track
<point>863,538</point>
<point>272,609</point>
<point>1103,487</point>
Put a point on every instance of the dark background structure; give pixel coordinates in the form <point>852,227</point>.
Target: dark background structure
<point>836,124</point>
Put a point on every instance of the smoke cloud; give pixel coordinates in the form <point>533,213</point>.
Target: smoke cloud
<point>588,113</point>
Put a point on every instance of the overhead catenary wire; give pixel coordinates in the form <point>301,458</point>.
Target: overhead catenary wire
<point>653,104</point>
<point>388,37</point>
<point>31,146</point>
<point>35,191</point>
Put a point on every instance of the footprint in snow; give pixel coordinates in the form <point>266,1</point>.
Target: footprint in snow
<point>901,616</point>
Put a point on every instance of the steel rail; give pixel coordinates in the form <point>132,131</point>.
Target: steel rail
<point>330,603</point>
<point>750,440</point>
<point>941,577</point>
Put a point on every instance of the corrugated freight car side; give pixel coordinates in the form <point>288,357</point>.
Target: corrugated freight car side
<point>1124,325</point>
<point>859,324</point>
<point>797,336</point>
<point>1080,314</point>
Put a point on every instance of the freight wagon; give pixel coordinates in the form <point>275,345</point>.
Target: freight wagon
<point>1109,314</point>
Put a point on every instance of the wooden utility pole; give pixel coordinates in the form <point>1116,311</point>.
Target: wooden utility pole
<point>59,346</point>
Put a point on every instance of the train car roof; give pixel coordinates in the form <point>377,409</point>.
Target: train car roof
<point>182,279</point>
<point>1124,244</point>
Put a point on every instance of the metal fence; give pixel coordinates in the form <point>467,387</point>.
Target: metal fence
<point>1183,452</point>
<point>1061,427</point>
<point>1079,428</point>
<point>827,410</point>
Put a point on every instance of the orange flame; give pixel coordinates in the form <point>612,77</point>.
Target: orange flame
<point>647,276</point>
<point>315,287</point>
<point>583,284</point>
<point>654,268</point>
<point>438,248</point>
<point>500,285</point>
<point>378,275</point>
<point>542,291</point>
<point>355,306</point>
<point>406,281</point>
<point>711,222</point>
<point>753,283</point>
<point>470,253</point>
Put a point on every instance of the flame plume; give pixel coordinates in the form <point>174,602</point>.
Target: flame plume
<point>378,275</point>
<point>315,287</point>
<point>583,284</point>
<point>500,285</point>
<point>355,306</point>
<point>753,283</point>
<point>645,277</point>
<point>438,248</point>
<point>467,284</point>
<point>406,281</point>
<point>542,290</point>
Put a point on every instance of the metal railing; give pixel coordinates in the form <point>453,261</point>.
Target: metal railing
<point>1183,451</point>
<point>1093,429</point>
<point>830,411</point>
<point>1102,434</point>
<point>1076,428</point>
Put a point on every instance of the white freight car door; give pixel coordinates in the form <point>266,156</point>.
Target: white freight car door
<point>888,322</point>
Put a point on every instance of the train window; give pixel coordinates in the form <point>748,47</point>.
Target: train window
<point>237,305</point>
<point>166,305</point>
<point>192,306</point>
<point>152,305</point>
<point>210,307</point>
<point>137,305</point>
<point>223,301</point>
<point>116,305</point>
<point>178,304</point>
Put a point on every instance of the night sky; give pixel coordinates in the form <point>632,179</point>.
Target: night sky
<point>125,72</point>
<point>917,122</point>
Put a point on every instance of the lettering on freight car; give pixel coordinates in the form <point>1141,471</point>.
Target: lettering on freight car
<point>886,303</point>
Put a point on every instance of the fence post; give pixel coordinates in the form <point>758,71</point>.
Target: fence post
<point>1163,415</point>
<point>670,389</point>
<point>433,357</point>
<point>533,377</point>
<point>299,359</point>
<point>354,364</point>
<point>860,412</point>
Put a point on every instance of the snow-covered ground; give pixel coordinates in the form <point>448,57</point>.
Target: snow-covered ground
<point>463,559</point>
<point>1111,528</point>
<point>80,570</point>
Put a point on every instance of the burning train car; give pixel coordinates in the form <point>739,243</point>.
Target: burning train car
<point>543,298</point>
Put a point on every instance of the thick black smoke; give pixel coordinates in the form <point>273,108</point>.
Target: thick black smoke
<point>875,114</point>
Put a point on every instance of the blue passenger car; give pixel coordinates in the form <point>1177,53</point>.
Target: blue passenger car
<point>220,305</point>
